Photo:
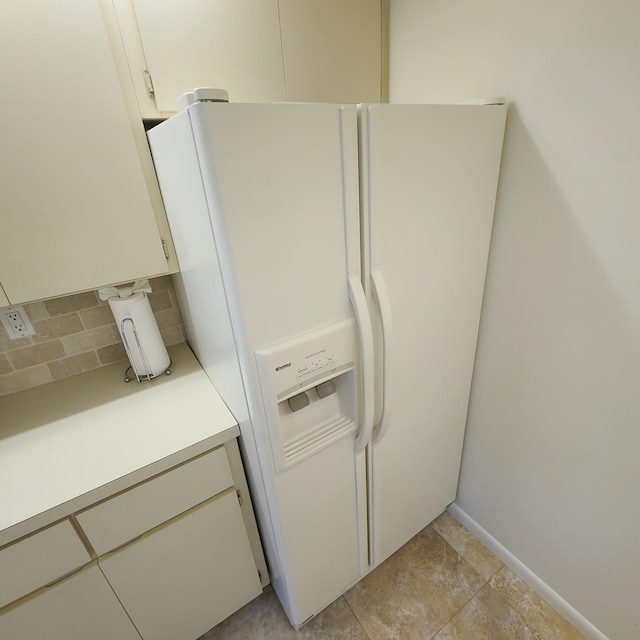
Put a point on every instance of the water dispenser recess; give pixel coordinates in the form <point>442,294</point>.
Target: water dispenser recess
<point>308,391</point>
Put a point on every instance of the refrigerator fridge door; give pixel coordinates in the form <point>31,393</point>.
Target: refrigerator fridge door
<point>432,172</point>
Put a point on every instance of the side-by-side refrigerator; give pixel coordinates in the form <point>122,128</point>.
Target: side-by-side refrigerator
<point>332,265</point>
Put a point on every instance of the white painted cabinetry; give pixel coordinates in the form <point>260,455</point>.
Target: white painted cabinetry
<point>31,565</point>
<point>4,301</point>
<point>169,557</point>
<point>181,579</point>
<point>258,50</point>
<point>181,44</point>
<point>79,200</point>
<point>79,607</point>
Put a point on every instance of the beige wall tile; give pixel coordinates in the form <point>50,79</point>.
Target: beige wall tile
<point>36,354</point>
<point>74,326</point>
<point>60,306</point>
<point>98,317</point>
<point>160,301</point>
<point>73,364</point>
<point>57,327</point>
<point>172,335</point>
<point>163,283</point>
<point>112,353</point>
<point>5,365</point>
<point>36,311</point>
<point>24,379</point>
<point>88,340</point>
<point>7,344</point>
<point>168,318</point>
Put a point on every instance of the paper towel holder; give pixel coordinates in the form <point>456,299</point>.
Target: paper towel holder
<point>139,330</point>
<point>148,373</point>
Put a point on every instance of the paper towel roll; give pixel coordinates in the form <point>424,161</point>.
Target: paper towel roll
<point>140,334</point>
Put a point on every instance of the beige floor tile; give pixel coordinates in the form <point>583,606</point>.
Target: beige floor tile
<point>477,555</point>
<point>264,619</point>
<point>487,617</point>
<point>541,616</point>
<point>416,591</point>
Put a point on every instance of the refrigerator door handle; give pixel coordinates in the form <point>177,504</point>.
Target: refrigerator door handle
<point>359,304</point>
<point>381,296</point>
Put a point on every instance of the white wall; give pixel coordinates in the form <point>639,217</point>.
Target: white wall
<point>551,465</point>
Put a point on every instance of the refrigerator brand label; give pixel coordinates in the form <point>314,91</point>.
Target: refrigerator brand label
<point>283,366</point>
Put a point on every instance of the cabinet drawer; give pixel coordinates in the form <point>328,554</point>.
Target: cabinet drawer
<point>114,522</point>
<point>38,560</point>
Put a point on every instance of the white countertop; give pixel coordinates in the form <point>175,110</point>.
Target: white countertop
<point>72,442</point>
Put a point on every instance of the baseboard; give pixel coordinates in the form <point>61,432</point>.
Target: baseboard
<point>539,586</point>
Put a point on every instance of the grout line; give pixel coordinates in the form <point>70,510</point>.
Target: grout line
<point>474,594</point>
<point>355,615</point>
<point>520,616</point>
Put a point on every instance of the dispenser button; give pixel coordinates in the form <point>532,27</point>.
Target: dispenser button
<point>299,401</point>
<point>326,388</point>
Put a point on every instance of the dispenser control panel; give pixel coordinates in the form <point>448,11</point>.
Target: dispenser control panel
<point>308,360</point>
<point>308,391</point>
<point>319,362</point>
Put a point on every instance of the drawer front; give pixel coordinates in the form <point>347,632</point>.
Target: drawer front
<point>125,517</point>
<point>39,560</point>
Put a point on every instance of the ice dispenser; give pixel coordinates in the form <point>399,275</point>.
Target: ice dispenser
<point>308,389</point>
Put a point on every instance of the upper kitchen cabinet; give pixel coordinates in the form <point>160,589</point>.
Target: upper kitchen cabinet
<point>258,50</point>
<point>4,301</point>
<point>175,46</point>
<point>79,203</point>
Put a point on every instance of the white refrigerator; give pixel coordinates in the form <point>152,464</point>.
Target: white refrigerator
<point>332,265</point>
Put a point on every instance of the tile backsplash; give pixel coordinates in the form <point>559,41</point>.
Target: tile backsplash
<point>75,334</point>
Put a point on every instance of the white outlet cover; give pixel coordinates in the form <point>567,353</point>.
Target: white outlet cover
<point>16,322</point>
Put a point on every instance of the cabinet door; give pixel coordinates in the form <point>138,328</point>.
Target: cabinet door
<point>188,575</point>
<point>332,50</point>
<point>128,515</point>
<point>4,301</point>
<point>212,43</point>
<point>81,607</point>
<point>76,211</point>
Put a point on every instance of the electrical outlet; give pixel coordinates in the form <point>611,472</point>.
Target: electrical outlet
<point>16,321</point>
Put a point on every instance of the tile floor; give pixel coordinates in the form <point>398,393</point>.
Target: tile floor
<point>442,585</point>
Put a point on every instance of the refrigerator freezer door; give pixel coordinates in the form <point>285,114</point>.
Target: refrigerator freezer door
<point>431,171</point>
<point>274,180</point>
<point>278,187</point>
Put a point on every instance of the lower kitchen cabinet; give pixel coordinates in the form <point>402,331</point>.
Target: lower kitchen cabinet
<point>80,607</point>
<point>39,560</point>
<point>187,575</point>
<point>168,557</point>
